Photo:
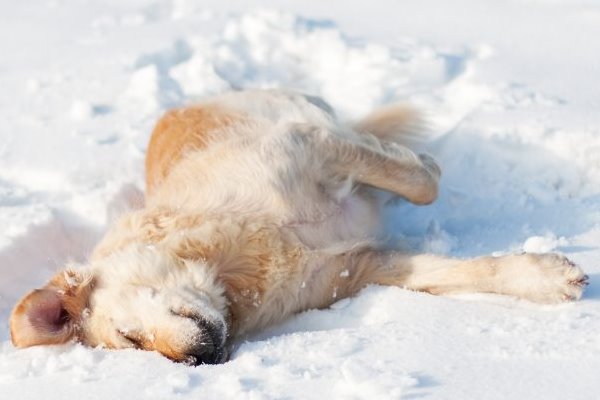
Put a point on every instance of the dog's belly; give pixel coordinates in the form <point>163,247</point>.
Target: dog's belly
<point>310,283</point>
<point>340,226</point>
<point>349,221</point>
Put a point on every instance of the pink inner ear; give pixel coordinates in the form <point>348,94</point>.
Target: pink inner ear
<point>47,313</point>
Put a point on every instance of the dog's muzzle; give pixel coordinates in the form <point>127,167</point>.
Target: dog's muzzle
<point>210,347</point>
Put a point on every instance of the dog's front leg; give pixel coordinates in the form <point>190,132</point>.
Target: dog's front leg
<point>542,278</point>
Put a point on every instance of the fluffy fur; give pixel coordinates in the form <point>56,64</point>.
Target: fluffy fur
<point>261,204</point>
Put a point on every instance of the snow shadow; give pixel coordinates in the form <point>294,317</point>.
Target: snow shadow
<point>592,292</point>
<point>494,195</point>
<point>30,260</point>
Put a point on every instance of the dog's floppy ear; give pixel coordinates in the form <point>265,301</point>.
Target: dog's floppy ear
<point>51,315</point>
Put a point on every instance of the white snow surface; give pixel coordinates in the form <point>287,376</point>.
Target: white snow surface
<point>511,91</point>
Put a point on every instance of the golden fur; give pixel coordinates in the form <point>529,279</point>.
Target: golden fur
<point>260,204</point>
<point>179,132</point>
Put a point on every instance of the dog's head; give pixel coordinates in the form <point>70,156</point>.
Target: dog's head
<point>141,297</point>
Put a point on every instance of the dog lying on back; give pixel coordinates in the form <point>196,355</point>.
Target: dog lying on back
<point>260,204</point>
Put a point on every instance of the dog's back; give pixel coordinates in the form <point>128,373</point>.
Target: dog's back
<point>186,130</point>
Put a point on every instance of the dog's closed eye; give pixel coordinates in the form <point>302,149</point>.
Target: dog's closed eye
<point>134,339</point>
<point>185,313</point>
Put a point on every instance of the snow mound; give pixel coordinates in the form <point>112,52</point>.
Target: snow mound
<point>273,49</point>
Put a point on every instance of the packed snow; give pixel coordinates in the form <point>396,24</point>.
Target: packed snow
<point>510,90</point>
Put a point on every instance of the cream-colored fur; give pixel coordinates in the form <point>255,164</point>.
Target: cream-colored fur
<point>261,204</point>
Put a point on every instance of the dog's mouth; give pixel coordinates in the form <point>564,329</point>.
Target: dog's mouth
<point>208,347</point>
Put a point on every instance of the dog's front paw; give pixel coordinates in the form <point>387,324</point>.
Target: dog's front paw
<point>565,275</point>
<point>543,278</point>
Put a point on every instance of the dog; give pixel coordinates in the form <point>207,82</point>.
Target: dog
<point>261,204</point>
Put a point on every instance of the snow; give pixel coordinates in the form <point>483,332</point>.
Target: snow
<point>510,91</point>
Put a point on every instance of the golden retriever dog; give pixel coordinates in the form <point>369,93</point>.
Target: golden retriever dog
<point>261,204</point>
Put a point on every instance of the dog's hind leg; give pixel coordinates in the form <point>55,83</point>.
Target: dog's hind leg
<point>542,278</point>
<point>383,165</point>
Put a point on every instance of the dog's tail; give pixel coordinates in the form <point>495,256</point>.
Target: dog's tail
<point>400,123</point>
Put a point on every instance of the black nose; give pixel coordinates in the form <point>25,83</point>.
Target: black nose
<point>203,354</point>
<point>209,349</point>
